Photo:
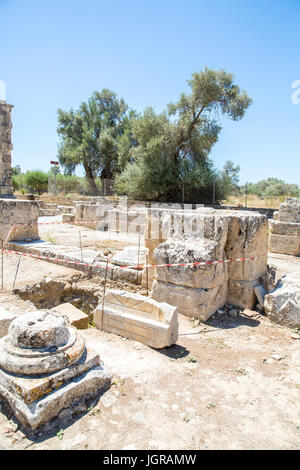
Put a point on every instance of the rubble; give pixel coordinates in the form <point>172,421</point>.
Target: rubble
<point>283,304</point>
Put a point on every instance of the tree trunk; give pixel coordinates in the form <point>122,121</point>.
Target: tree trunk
<point>90,177</point>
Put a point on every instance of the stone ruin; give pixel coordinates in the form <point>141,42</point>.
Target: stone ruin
<point>206,235</point>
<point>6,186</point>
<point>138,317</point>
<point>285,229</point>
<point>45,367</point>
<point>13,211</point>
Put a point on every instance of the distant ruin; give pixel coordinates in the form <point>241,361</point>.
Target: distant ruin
<point>285,229</point>
<point>6,186</point>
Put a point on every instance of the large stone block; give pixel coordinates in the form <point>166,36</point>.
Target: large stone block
<point>139,318</point>
<point>241,293</point>
<point>193,302</point>
<point>285,244</point>
<point>289,211</point>
<point>283,304</point>
<point>190,251</point>
<point>14,213</point>
<point>247,237</point>
<point>76,317</point>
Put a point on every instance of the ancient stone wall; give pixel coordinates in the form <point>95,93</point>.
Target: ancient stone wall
<point>285,229</point>
<point>6,187</point>
<point>14,217</point>
<point>206,235</point>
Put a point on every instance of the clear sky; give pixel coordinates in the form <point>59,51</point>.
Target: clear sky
<point>55,53</point>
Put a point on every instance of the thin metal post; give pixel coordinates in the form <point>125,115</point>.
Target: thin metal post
<point>2,264</point>
<point>214,193</point>
<point>246,199</point>
<point>17,270</point>
<point>104,291</point>
<point>138,263</point>
<point>80,246</point>
<point>147,276</point>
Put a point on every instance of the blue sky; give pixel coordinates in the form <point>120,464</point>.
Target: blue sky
<point>54,54</point>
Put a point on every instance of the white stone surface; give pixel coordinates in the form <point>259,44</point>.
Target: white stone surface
<point>283,304</point>
<point>139,318</point>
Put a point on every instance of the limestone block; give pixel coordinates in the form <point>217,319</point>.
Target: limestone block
<point>247,237</point>
<point>65,209</point>
<point>76,317</point>
<point>285,244</point>
<point>289,211</point>
<point>99,269</point>
<point>48,212</point>
<point>139,318</point>
<point>6,318</point>
<point>15,212</point>
<point>283,304</point>
<point>190,251</point>
<point>130,256</point>
<point>260,293</point>
<point>193,302</point>
<point>241,293</point>
<point>133,276</point>
<point>68,218</point>
<point>285,228</point>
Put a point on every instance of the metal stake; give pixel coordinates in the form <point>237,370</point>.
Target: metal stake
<point>104,291</point>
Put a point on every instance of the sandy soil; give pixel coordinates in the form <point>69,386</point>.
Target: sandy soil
<point>227,384</point>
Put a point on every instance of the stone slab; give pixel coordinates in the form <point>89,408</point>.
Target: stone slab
<point>42,410</point>
<point>139,318</point>
<point>76,317</point>
<point>193,302</point>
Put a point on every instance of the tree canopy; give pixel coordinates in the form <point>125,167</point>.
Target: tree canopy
<point>95,135</point>
<point>172,148</point>
<point>158,156</point>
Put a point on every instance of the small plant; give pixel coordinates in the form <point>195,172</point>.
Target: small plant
<point>50,237</point>
<point>241,371</point>
<point>60,434</point>
<point>186,419</point>
<point>192,359</point>
<point>139,398</point>
<point>210,405</point>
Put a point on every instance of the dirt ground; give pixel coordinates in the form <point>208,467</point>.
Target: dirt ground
<point>231,383</point>
<point>67,234</point>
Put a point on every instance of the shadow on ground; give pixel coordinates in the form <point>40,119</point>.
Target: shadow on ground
<point>226,322</point>
<point>174,352</point>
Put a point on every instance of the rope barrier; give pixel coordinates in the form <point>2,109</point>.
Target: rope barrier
<point>143,266</point>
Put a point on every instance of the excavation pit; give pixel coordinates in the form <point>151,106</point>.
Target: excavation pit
<point>51,293</point>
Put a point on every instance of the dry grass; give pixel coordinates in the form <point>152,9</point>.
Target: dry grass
<point>254,201</point>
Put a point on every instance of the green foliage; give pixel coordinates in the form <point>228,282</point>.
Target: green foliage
<point>230,178</point>
<point>16,170</point>
<point>272,187</point>
<point>18,181</point>
<point>171,149</point>
<point>94,136</point>
<point>36,181</point>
